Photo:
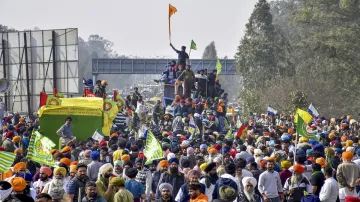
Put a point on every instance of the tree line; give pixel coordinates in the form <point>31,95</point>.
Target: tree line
<point>297,52</point>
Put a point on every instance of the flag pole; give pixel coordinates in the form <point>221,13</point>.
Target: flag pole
<point>296,140</point>
<point>169,26</point>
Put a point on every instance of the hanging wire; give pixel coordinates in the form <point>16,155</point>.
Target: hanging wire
<point>17,80</point>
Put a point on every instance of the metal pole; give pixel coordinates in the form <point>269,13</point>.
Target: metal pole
<point>27,75</point>
<point>54,57</point>
<point>4,70</point>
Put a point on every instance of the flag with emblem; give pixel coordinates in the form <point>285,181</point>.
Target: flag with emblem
<point>153,149</point>
<point>39,149</point>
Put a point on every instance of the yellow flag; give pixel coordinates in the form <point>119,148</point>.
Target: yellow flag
<point>304,115</point>
<point>172,10</point>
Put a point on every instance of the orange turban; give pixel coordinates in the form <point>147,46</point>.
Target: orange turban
<point>18,151</point>
<point>53,151</point>
<point>66,161</point>
<point>272,159</point>
<point>21,119</point>
<point>19,166</point>
<point>163,163</point>
<point>66,149</point>
<point>125,157</point>
<point>213,150</point>
<point>114,135</point>
<point>73,169</point>
<point>263,163</point>
<point>16,139</point>
<point>347,156</point>
<point>18,184</point>
<point>299,168</point>
<point>74,163</point>
<point>321,161</point>
<point>290,131</point>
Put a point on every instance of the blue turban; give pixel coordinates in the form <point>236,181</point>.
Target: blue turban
<point>300,152</point>
<point>319,148</point>
<point>250,159</point>
<point>313,142</point>
<point>338,150</point>
<point>325,132</point>
<point>309,152</point>
<point>285,137</point>
<point>203,146</point>
<point>173,160</point>
<point>27,177</point>
<point>94,155</point>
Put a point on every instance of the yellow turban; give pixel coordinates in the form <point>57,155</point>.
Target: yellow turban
<point>4,127</point>
<point>125,157</point>
<point>73,169</point>
<point>60,170</point>
<point>16,139</point>
<point>19,166</point>
<point>349,143</point>
<point>321,161</point>
<point>332,135</point>
<point>347,156</point>
<point>117,181</point>
<point>286,164</point>
<point>303,139</point>
<point>18,184</point>
<point>203,166</point>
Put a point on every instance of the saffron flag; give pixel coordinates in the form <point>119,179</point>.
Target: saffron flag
<point>218,67</point>
<point>153,149</point>
<point>172,11</point>
<point>301,129</point>
<point>306,117</point>
<point>6,161</point>
<point>39,149</point>
<point>193,45</point>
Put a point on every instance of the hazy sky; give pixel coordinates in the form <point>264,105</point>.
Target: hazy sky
<point>138,28</point>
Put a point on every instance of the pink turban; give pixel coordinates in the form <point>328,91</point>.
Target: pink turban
<point>46,170</point>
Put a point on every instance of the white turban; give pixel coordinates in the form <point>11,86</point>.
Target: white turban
<point>166,186</point>
<point>257,152</point>
<point>105,168</point>
<point>170,156</point>
<point>351,149</point>
<point>217,160</point>
<point>246,180</point>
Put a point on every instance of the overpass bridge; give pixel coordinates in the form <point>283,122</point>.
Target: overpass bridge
<point>153,66</point>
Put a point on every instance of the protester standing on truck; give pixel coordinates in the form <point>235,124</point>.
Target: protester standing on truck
<point>183,57</point>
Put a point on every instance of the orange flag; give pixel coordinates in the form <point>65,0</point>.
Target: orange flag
<point>172,10</point>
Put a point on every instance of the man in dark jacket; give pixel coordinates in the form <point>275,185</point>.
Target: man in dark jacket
<point>156,112</point>
<point>227,179</point>
<point>173,177</point>
<point>211,84</point>
<point>98,90</point>
<point>183,57</point>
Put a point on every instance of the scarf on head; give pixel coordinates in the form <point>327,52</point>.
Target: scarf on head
<point>5,193</point>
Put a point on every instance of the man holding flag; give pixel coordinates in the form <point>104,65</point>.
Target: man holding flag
<point>183,57</point>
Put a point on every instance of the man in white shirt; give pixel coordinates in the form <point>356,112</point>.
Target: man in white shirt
<point>270,186</point>
<point>44,178</point>
<point>330,190</point>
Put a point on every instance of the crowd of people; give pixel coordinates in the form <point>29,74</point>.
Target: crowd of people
<point>262,159</point>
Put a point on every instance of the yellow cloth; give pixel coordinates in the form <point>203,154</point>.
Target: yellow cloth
<point>73,169</point>
<point>203,166</point>
<point>16,139</point>
<point>200,198</point>
<point>304,115</point>
<point>60,170</point>
<point>123,195</point>
<point>66,149</point>
<point>117,155</point>
<point>125,157</point>
<point>349,143</point>
<point>321,161</point>
<point>285,164</point>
